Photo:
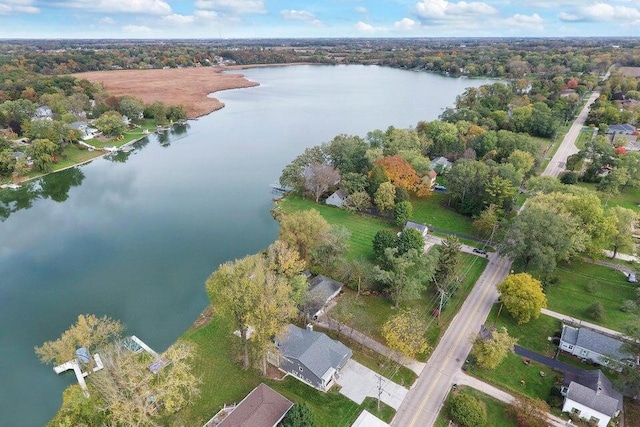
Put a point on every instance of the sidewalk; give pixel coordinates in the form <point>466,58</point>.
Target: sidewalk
<point>334,325</point>
<point>569,319</point>
<point>463,379</point>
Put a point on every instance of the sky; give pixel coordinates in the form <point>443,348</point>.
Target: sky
<point>215,19</point>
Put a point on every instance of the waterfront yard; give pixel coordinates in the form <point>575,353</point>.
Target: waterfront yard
<point>224,381</point>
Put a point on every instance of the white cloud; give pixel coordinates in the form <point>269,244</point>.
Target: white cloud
<point>137,30</point>
<point>529,22</point>
<point>363,27</point>
<point>300,15</point>
<point>437,10</point>
<point>234,7</point>
<point>147,7</point>
<point>205,14</point>
<point>406,24</point>
<point>361,9</point>
<point>107,21</point>
<point>601,12</point>
<point>177,19</point>
<point>17,6</point>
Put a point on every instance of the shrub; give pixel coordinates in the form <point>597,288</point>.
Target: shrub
<point>402,211</point>
<point>596,311</point>
<point>299,415</point>
<point>629,306</point>
<point>569,178</point>
<point>593,287</point>
<point>467,411</point>
<point>382,240</point>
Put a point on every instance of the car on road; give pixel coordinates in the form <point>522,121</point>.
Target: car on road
<point>439,187</point>
<point>479,251</point>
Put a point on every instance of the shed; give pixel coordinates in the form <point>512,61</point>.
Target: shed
<point>337,198</point>
<point>321,291</point>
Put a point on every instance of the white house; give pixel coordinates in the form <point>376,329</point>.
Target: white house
<point>590,396</point>
<point>86,131</point>
<point>441,163</point>
<point>421,228</point>
<point>337,199</point>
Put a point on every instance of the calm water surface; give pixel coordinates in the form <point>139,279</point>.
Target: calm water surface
<point>136,238</point>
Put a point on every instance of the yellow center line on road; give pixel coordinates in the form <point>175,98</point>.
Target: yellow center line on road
<point>454,347</point>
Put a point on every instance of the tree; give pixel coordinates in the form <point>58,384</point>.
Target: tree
<point>78,410</point>
<point>42,151</point>
<point>522,296</point>
<point>359,201</point>
<point>529,412</point>
<point>467,411</point>
<point>347,154</point>
<point>134,395</point>
<point>467,182</point>
<point>487,222</point>
<point>381,241</point>
<point>355,273</point>
<point>332,247</point>
<point>158,111</point>
<point>176,113</point>
<point>409,239</point>
<point>131,107</point>
<point>541,235</point>
<point>402,211</point>
<point>319,177</point>
<point>489,353</point>
<point>292,176</point>
<point>251,295</point>
<point>404,333</point>
<point>353,182</point>
<point>303,230</point>
<point>384,198</point>
<point>284,260</point>
<point>399,172</point>
<point>405,275</point>
<point>89,331</point>
<point>300,415</point>
<point>500,192</point>
<point>448,263</point>
<point>621,236</point>
<point>596,311</point>
<point>110,123</point>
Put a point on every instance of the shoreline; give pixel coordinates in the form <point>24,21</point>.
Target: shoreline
<point>190,87</point>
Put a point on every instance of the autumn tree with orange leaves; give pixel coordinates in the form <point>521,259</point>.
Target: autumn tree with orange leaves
<point>401,174</point>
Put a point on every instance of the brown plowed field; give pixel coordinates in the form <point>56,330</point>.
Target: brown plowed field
<point>184,86</point>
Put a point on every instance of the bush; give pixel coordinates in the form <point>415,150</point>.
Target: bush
<point>410,239</point>
<point>569,178</point>
<point>467,411</point>
<point>402,211</point>
<point>596,311</point>
<point>299,415</point>
<point>593,287</point>
<point>629,306</point>
<point>382,240</point>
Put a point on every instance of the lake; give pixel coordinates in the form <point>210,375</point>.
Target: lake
<point>135,237</point>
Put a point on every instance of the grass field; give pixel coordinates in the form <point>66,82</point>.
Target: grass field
<point>532,335</point>
<point>586,134</point>
<point>224,381</point>
<point>433,211</point>
<point>512,373</point>
<point>363,228</point>
<point>629,198</point>
<point>495,410</point>
<point>372,311</point>
<point>570,295</point>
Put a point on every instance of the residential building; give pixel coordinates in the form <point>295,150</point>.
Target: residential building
<point>594,346</point>
<point>321,291</point>
<point>591,396</point>
<point>310,356</point>
<point>337,198</point>
<point>441,164</point>
<point>621,129</point>
<point>420,227</point>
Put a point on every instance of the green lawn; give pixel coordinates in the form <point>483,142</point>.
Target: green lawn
<point>433,211</point>
<point>533,335</point>
<point>363,228</point>
<point>372,311</point>
<point>495,410</point>
<point>586,134</point>
<point>224,381</point>
<point>570,296</point>
<point>509,374</point>
<point>629,198</point>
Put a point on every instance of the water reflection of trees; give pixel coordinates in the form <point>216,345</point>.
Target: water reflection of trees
<point>54,186</point>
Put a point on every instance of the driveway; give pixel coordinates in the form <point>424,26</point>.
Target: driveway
<point>358,382</point>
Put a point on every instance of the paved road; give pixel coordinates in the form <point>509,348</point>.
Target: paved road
<point>568,146</point>
<point>424,400</point>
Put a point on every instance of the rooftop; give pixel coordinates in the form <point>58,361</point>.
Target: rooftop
<point>263,407</point>
<point>321,290</point>
<point>594,341</point>
<point>593,389</point>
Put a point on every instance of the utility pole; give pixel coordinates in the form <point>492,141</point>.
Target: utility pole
<point>379,390</point>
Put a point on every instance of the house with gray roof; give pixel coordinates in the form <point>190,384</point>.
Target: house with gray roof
<point>337,198</point>
<point>621,129</point>
<point>423,229</point>
<point>321,291</point>
<point>594,346</point>
<point>310,356</point>
<point>591,396</point>
<point>441,164</point>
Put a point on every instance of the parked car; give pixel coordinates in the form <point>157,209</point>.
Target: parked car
<point>479,251</point>
<point>439,187</point>
<point>631,278</point>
